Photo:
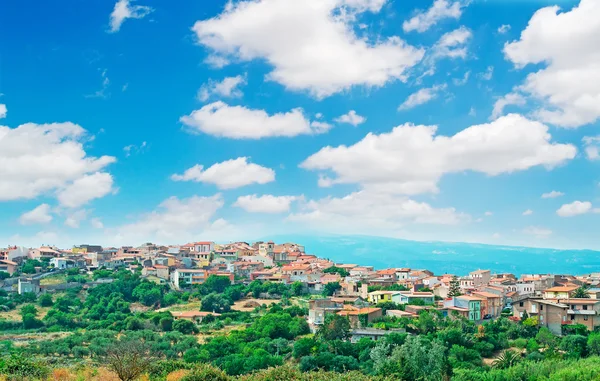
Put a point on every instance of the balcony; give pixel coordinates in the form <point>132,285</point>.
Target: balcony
<point>581,312</point>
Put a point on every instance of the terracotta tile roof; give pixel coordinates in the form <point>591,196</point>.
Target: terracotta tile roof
<point>357,312</point>
<point>561,289</point>
<point>487,295</point>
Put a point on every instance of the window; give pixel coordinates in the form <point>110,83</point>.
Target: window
<point>586,318</point>
<point>520,304</point>
<point>541,307</point>
<point>572,317</point>
<point>585,306</point>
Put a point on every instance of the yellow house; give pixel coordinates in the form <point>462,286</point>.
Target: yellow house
<point>79,250</point>
<point>559,292</point>
<point>381,296</point>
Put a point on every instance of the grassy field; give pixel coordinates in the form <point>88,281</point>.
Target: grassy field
<point>53,279</point>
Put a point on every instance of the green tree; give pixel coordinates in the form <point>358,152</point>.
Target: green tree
<point>335,327</point>
<point>297,289</point>
<point>4,275</point>
<point>581,292</point>
<point>506,360</point>
<point>214,283</point>
<point>336,270</point>
<point>454,287</point>
<point>45,300</point>
<point>575,346</point>
<point>185,326</point>
<point>593,343</point>
<point>166,324</point>
<point>214,302</point>
<point>330,288</point>
<point>421,360</point>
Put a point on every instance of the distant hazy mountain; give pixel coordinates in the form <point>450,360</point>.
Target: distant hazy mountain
<point>446,257</point>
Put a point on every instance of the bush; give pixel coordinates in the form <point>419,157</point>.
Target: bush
<point>205,372</point>
<point>45,300</point>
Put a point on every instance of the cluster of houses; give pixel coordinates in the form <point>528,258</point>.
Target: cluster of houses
<point>478,296</point>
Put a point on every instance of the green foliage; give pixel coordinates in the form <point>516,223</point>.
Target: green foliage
<point>581,292</point>
<point>45,300</point>
<point>203,372</point>
<point>335,327</point>
<point>454,289</point>
<point>575,346</point>
<point>337,270</point>
<point>4,275</point>
<point>23,368</point>
<point>185,326</point>
<point>506,360</point>
<point>593,344</point>
<point>214,302</point>
<point>330,288</point>
<point>29,266</point>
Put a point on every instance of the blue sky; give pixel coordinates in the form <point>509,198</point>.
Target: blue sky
<point>143,121</point>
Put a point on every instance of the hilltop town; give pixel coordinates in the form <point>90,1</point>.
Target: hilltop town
<point>361,293</point>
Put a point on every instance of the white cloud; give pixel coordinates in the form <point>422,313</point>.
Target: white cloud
<point>592,147</point>
<point>567,43</point>
<point>452,44</point>
<point>238,122</point>
<point>228,88</point>
<point>462,81</point>
<point>441,9</point>
<point>37,159</point>
<point>553,194</point>
<point>488,214</point>
<point>85,189</point>
<point>509,99</point>
<point>39,215</point>
<point>320,127</point>
<point>102,93</point>
<point>574,209</point>
<point>310,44</point>
<point>487,75</point>
<point>472,111</point>
<point>96,223</point>
<point>134,149</point>
<point>373,212</point>
<point>528,212</point>
<point>216,61</point>
<point>504,29</point>
<point>124,10</point>
<point>266,203</point>
<point>3,111</point>
<point>175,220</point>
<point>351,118</point>
<point>229,174</point>
<point>538,232</point>
<point>411,159</point>
<point>421,97</point>
<point>75,218</point>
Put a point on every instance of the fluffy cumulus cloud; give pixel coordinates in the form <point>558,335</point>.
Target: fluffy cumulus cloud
<point>576,208</point>
<point>175,220</point>
<point>567,43</point>
<point>229,174</point>
<point>411,159</point>
<point>351,118</point>
<point>266,203</point>
<point>528,212</point>
<point>511,99</point>
<point>310,44</point>
<point>85,189</point>
<point>39,215</point>
<point>425,19</point>
<point>421,97</point>
<point>592,147</point>
<point>124,10</point>
<point>228,88</point>
<point>239,122</point>
<point>553,194</point>
<point>37,159</point>
<point>453,44</point>
<point>370,212</point>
